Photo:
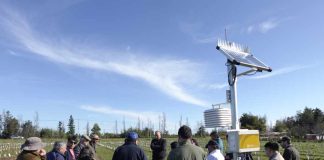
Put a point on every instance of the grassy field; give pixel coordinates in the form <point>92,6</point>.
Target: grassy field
<point>10,148</point>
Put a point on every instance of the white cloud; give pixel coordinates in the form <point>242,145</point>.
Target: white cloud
<point>164,74</point>
<point>215,86</point>
<point>264,26</point>
<point>143,115</point>
<point>281,71</point>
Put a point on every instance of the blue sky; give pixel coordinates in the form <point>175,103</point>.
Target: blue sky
<point>103,61</point>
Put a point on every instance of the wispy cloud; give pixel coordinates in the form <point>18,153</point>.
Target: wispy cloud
<point>215,86</point>
<point>164,74</point>
<point>281,71</point>
<point>125,113</point>
<point>264,26</point>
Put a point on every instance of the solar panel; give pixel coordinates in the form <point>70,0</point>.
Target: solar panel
<point>240,55</point>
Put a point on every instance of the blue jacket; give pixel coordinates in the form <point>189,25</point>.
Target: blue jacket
<point>129,151</point>
<point>54,155</point>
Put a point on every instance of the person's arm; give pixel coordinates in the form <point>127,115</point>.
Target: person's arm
<point>155,146</point>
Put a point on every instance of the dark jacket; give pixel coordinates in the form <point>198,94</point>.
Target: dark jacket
<point>87,153</point>
<point>291,153</point>
<point>187,151</point>
<point>28,155</point>
<point>54,155</point>
<point>129,151</point>
<point>77,149</point>
<point>159,149</point>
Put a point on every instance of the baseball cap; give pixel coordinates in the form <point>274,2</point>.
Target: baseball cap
<point>284,138</point>
<point>132,136</point>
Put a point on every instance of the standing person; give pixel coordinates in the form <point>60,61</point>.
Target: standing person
<point>58,151</point>
<point>71,143</point>
<point>215,137</point>
<point>84,141</point>
<point>290,152</point>
<point>214,152</point>
<point>130,149</point>
<point>94,140</point>
<point>158,146</point>
<point>272,151</point>
<point>32,149</point>
<point>186,150</point>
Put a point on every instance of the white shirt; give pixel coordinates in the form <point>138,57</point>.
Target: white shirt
<point>215,155</point>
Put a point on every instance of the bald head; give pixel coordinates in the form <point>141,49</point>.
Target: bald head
<point>157,134</point>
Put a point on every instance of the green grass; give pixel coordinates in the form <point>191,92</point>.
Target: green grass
<point>314,150</point>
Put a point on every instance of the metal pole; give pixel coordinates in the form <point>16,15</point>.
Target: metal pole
<point>235,122</point>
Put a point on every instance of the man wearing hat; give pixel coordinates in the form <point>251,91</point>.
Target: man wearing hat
<point>129,150</point>
<point>214,151</point>
<point>290,152</point>
<point>84,141</point>
<point>94,141</point>
<point>32,149</point>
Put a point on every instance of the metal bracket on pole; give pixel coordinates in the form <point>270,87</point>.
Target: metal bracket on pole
<point>247,72</point>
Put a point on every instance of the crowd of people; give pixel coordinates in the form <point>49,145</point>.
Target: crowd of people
<point>85,149</point>
<point>186,148</point>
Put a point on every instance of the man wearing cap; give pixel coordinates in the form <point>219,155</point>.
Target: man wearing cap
<point>94,141</point>
<point>186,150</point>
<point>84,141</point>
<point>32,149</point>
<point>71,143</point>
<point>290,152</point>
<point>215,137</point>
<point>214,151</point>
<point>58,152</point>
<point>129,150</point>
<point>158,146</point>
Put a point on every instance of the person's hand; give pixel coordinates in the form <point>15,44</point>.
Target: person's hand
<point>42,152</point>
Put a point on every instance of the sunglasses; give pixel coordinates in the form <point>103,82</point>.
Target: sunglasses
<point>73,142</point>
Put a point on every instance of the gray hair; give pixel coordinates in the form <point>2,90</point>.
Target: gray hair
<point>58,145</point>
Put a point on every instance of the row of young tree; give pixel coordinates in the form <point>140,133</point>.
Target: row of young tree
<point>308,121</point>
<point>12,127</point>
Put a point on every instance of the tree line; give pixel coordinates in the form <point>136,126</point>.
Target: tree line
<point>308,121</point>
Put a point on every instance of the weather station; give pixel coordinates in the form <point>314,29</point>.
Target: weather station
<point>226,114</point>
